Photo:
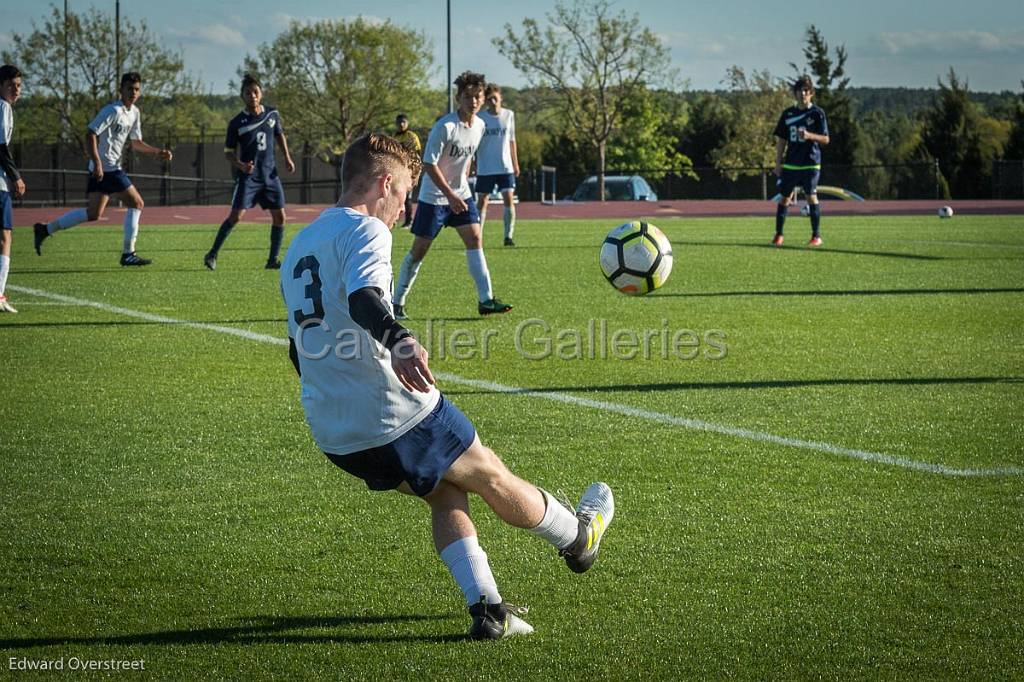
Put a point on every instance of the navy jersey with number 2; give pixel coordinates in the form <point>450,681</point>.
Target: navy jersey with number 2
<point>254,133</point>
<point>801,154</point>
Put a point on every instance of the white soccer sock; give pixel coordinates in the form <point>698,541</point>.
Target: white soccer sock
<point>69,219</point>
<point>468,565</point>
<point>510,221</point>
<point>559,525</point>
<point>406,276</point>
<point>483,217</point>
<point>481,275</point>
<point>131,229</point>
<point>5,268</point>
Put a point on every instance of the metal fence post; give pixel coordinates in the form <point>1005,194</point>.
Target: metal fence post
<point>307,170</point>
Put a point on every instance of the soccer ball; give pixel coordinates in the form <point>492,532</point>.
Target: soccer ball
<point>946,212</point>
<point>636,258</point>
<point>805,209</point>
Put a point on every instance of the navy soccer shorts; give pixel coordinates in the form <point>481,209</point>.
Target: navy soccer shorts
<point>791,179</point>
<point>430,218</point>
<point>505,182</point>
<point>268,193</point>
<point>113,182</point>
<point>6,213</point>
<point>420,456</point>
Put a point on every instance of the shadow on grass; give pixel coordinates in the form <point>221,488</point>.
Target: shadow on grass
<point>820,249</point>
<point>719,385</point>
<point>257,630</point>
<point>850,292</point>
<point>124,323</point>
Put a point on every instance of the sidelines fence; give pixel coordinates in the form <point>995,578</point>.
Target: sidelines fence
<point>200,175</point>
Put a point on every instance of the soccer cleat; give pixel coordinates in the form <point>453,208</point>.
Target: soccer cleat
<point>210,261</point>
<point>272,264</point>
<point>815,241</point>
<point>400,312</point>
<point>509,242</point>
<point>595,512</point>
<point>492,306</point>
<point>777,240</point>
<point>41,233</point>
<point>5,306</point>
<point>133,259</point>
<point>497,621</point>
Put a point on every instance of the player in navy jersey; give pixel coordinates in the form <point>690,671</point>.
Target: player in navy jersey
<point>801,131</point>
<point>249,148</point>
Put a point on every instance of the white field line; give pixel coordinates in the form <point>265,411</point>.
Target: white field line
<point>615,408</point>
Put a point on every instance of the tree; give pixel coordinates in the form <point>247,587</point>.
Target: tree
<point>757,103</point>
<point>963,141</point>
<point>649,135</point>
<point>710,125</point>
<point>93,77</point>
<point>593,61</point>
<point>337,80</point>
<point>1015,144</point>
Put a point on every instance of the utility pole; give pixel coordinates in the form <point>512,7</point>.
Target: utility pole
<point>117,43</point>
<point>448,83</point>
<point>67,84</point>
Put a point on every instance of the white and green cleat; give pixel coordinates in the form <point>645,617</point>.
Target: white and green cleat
<point>595,512</point>
<point>497,621</point>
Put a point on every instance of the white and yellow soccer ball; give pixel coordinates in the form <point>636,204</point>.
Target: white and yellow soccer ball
<point>636,258</point>
<point>946,212</point>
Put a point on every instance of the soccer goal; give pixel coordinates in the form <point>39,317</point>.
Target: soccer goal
<point>547,172</point>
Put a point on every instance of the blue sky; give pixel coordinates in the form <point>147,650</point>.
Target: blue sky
<point>891,43</point>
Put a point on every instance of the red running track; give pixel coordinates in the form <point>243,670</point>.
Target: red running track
<point>612,210</point>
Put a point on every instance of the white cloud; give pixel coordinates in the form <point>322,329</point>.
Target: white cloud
<point>212,34</point>
<point>962,42</point>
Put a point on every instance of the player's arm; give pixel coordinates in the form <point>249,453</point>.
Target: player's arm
<point>806,135</point>
<point>282,142</point>
<point>457,204</point>
<point>780,149</point>
<point>146,148</point>
<point>408,358</point>
<point>7,163</point>
<point>92,148</point>
<point>515,157</point>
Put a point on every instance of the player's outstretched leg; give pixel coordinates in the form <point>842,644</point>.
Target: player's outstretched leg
<point>595,512</point>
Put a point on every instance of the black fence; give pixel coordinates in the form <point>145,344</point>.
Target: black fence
<point>200,175</point>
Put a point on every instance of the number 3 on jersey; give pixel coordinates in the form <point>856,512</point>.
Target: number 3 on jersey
<point>261,140</point>
<point>312,291</point>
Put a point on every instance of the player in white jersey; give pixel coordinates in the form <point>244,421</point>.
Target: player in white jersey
<point>11,184</point>
<point>446,199</point>
<point>116,123</point>
<point>370,400</point>
<point>497,159</point>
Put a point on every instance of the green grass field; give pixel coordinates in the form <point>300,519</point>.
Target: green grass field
<point>848,503</point>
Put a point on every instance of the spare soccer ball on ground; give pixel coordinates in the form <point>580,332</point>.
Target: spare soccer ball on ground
<point>946,212</point>
<point>636,258</point>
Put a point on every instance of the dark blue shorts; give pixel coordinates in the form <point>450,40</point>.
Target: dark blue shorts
<point>485,184</point>
<point>791,179</point>
<point>420,456</point>
<point>430,218</point>
<point>113,182</point>
<point>267,192</point>
<point>6,213</point>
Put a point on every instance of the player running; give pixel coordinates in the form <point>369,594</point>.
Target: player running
<point>254,131</point>
<point>801,131</point>
<point>446,199</point>
<point>371,403</point>
<point>11,184</point>
<point>497,160</point>
<point>116,123</point>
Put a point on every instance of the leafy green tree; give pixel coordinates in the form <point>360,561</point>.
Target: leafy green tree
<point>964,142</point>
<point>710,124</point>
<point>170,96</point>
<point>1015,143</point>
<point>649,136</point>
<point>337,80</point>
<point>757,102</point>
<point>595,62</point>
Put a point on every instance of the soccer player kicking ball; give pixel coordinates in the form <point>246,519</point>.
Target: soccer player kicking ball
<point>446,199</point>
<point>254,131</point>
<point>11,184</point>
<point>371,403</point>
<point>115,124</point>
<point>497,160</point>
<point>801,131</point>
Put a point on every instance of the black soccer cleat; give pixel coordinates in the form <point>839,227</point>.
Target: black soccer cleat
<point>595,512</point>
<point>497,621</point>
<point>492,307</point>
<point>272,264</point>
<point>133,259</point>
<point>41,233</point>
<point>509,242</point>
<point>210,261</point>
<point>400,313</point>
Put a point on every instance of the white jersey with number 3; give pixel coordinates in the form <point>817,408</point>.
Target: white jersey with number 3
<point>113,126</point>
<point>450,146</point>
<point>494,157</point>
<point>351,395</point>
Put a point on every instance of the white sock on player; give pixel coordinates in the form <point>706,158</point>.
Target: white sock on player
<point>477,264</point>
<point>559,525</point>
<point>468,565</point>
<point>69,219</point>
<point>406,276</point>
<point>510,221</point>
<point>5,269</point>
<point>131,229</point>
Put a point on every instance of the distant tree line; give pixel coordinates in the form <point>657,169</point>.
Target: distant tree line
<point>600,94</point>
